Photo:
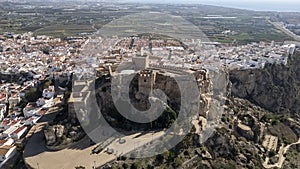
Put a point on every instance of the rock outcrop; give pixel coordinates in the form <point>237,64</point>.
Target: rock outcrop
<point>50,136</point>
<point>275,87</point>
<point>54,133</point>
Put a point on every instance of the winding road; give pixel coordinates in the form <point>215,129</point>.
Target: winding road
<point>282,151</point>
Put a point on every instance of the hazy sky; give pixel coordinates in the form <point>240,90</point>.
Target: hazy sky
<point>273,5</point>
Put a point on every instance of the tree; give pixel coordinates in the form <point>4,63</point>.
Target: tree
<point>159,159</point>
<point>125,166</point>
<point>31,95</point>
<point>167,118</point>
<point>272,153</point>
<point>178,162</point>
<point>135,166</point>
<point>171,156</point>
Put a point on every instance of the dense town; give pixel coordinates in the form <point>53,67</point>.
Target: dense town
<point>43,58</point>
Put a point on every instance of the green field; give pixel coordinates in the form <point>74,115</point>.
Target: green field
<point>247,29</point>
<point>248,26</point>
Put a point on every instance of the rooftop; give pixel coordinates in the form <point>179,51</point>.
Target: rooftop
<point>5,149</point>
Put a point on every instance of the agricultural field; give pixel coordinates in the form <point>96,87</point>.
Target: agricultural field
<point>242,29</point>
<point>85,18</point>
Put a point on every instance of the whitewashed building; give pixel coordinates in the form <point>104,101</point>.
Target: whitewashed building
<point>49,93</point>
<point>40,102</point>
<point>2,111</point>
<point>18,133</point>
<point>6,142</point>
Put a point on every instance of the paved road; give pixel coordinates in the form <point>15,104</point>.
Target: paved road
<point>285,30</point>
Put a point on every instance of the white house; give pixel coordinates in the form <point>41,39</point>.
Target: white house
<point>8,123</point>
<point>40,102</point>
<point>32,84</point>
<point>48,103</point>
<point>49,93</point>
<point>6,152</point>
<point>37,76</point>
<point>29,110</point>
<point>22,94</point>
<point>17,112</point>
<point>5,123</point>
<point>14,100</point>
<point>2,111</point>
<point>32,120</point>
<point>8,132</point>
<point>6,142</point>
<point>17,134</point>
<point>29,113</point>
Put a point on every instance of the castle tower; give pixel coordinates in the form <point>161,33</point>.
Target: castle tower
<point>141,60</point>
<point>146,81</point>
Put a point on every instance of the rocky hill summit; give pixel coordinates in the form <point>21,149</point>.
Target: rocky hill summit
<point>276,87</point>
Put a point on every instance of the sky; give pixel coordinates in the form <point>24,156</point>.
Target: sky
<point>260,5</point>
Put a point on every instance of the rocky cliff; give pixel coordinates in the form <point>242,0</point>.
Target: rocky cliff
<point>275,87</point>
